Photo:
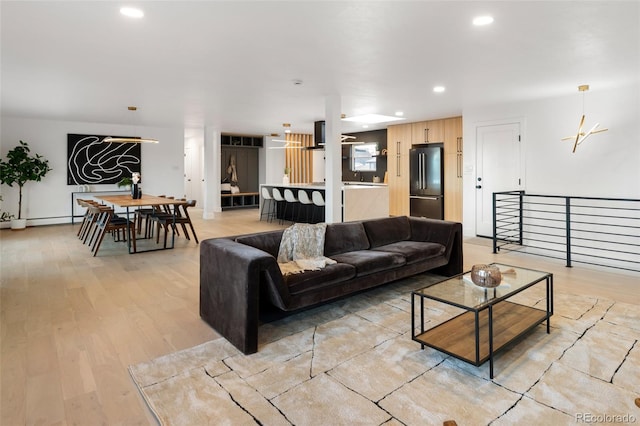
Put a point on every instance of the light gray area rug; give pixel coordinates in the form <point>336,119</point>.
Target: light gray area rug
<point>353,363</point>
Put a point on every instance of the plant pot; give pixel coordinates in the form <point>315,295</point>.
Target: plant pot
<point>18,224</point>
<point>285,180</point>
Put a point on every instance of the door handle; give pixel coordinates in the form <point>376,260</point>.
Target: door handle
<point>424,171</point>
<point>398,153</point>
<point>479,186</point>
<point>421,171</point>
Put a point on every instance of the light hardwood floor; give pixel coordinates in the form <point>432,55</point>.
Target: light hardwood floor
<point>72,323</point>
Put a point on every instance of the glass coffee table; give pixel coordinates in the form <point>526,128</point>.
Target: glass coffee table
<point>490,320</point>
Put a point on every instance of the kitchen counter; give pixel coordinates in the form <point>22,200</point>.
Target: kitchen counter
<point>360,200</point>
<point>321,185</point>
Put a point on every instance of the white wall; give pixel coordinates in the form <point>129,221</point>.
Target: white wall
<point>272,160</point>
<point>49,201</point>
<point>605,165</point>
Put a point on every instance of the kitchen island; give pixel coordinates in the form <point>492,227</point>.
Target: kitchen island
<point>360,201</point>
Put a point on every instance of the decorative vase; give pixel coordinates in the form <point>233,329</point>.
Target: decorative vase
<point>487,276</point>
<point>135,192</point>
<point>285,180</point>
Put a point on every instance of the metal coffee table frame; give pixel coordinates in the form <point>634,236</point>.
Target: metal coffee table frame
<point>487,313</point>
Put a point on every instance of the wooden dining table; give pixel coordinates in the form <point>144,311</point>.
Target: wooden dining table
<point>147,200</point>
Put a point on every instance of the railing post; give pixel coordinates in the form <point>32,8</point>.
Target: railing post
<point>521,222</point>
<point>568,228</point>
<point>495,228</point>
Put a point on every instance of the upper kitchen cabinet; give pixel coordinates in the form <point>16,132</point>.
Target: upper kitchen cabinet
<point>398,146</point>
<point>427,131</point>
<point>453,169</point>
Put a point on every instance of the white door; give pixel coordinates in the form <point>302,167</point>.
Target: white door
<point>192,173</point>
<point>497,169</point>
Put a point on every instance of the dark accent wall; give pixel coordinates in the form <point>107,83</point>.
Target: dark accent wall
<point>379,136</point>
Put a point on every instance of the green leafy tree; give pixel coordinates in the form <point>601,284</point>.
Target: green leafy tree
<point>20,168</point>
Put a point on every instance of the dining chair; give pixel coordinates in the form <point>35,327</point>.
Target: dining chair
<point>185,220</point>
<point>182,218</point>
<point>144,214</point>
<point>87,219</point>
<point>167,216</point>
<point>108,222</point>
<point>161,212</point>
<point>89,228</point>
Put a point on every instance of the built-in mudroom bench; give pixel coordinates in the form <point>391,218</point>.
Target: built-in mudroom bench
<point>239,171</point>
<point>240,200</point>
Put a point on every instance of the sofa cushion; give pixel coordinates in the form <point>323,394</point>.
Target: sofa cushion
<point>370,261</point>
<point>310,280</point>
<point>387,230</point>
<point>414,251</point>
<point>267,241</point>
<point>344,237</point>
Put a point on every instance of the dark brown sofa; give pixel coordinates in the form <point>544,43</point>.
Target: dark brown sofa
<point>240,279</point>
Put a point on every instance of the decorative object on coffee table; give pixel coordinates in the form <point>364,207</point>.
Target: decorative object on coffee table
<point>487,276</point>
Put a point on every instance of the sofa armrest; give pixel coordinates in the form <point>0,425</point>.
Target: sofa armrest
<point>230,278</point>
<point>449,234</point>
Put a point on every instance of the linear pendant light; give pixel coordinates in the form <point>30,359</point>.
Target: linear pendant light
<point>110,139</point>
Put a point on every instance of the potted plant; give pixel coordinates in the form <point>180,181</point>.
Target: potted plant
<point>20,168</point>
<point>285,178</point>
<point>126,182</point>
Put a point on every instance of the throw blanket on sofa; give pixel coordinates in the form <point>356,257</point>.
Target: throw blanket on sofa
<point>302,249</point>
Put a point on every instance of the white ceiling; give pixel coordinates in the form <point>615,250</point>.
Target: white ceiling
<point>232,65</point>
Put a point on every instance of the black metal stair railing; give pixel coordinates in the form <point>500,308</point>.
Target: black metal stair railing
<point>596,231</point>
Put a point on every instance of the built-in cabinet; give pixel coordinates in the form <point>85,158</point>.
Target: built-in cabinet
<point>241,140</point>
<point>398,146</point>
<point>453,169</point>
<point>244,151</point>
<point>427,131</point>
<point>400,138</point>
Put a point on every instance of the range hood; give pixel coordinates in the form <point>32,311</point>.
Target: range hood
<point>318,135</point>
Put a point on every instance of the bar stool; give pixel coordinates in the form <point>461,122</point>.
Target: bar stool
<point>305,201</point>
<point>267,198</point>
<point>277,196</point>
<point>318,200</point>
<point>290,199</point>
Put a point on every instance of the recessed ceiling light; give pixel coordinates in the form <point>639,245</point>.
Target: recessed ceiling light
<point>399,113</point>
<point>365,126</point>
<point>372,118</point>
<point>482,20</point>
<point>438,89</point>
<point>132,12</point>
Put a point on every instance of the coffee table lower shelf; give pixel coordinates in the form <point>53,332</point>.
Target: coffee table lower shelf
<point>457,336</point>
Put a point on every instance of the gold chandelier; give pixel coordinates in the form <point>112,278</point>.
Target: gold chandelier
<point>581,135</point>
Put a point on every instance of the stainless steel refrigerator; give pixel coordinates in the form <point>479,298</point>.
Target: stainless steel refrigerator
<point>427,181</point>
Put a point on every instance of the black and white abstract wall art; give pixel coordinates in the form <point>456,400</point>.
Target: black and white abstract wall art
<point>91,161</point>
